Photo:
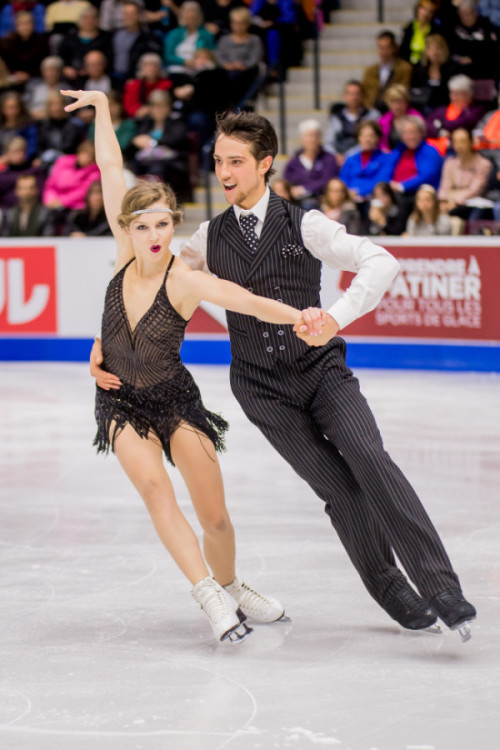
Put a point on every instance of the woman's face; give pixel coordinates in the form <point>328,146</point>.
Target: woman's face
<point>311,140</point>
<point>434,53</point>
<point>85,157</point>
<point>425,201</point>
<point>368,139</point>
<point>335,193</point>
<point>460,98</point>
<point>11,109</point>
<point>151,234</point>
<point>150,70</point>
<point>16,154</point>
<point>159,111</point>
<point>24,26</point>
<point>380,195</point>
<point>190,18</point>
<point>55,108</point>
<point>94,198</point>
<point>115,109</point>
<point>425,13</point>
<point>398,107</point>
<point>461,143</point>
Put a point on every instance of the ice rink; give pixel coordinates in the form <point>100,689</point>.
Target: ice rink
<point>103,648</point>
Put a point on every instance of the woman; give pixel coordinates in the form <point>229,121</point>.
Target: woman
<point>158,406</point>
<point>150,77</point>
<point>162,145</point>
<point>70,178</point>
<point>190,35</point>
<point>15,120</point>
<point>461,112</point>
<point>125,128</point>
<point>426,220</point>
<point>91,221</point>
<point>337,205</point>
<point>361,171</point>
<point>57,133</point>
<point>465,176</point>
<point>14,162</point>
<point>397,98</point>
<point>240,54</point>
<point>429,79</point>
<point>38,89</point>
<point>416,32</point>
<point>385,215</point>
<point>311,167</point>
<point>24,49</point>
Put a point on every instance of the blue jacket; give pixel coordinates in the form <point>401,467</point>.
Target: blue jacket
<point>363,179</point>
<point>8,20</point>
<point>428,161</point>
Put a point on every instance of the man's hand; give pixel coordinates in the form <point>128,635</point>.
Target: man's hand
<point>105,380</point>
<point>329,328</point>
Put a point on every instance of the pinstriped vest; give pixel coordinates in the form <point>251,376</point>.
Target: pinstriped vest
<point>281,268</point>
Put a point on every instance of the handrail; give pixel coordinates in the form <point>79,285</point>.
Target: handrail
<point>316,61</point>
<point>380,11</point>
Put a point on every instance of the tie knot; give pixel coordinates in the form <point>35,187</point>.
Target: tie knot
<point>248,222</point>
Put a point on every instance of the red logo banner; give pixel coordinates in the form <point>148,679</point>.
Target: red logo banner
<point>28,290</point>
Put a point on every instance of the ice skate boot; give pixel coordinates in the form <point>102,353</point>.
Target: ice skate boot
<point>222,610</point>
<point>455,611</point>
<point>405,606</point>
<point>258,606</point>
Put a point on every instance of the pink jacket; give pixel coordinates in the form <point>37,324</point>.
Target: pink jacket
<point>68,183</point>
<point>385,123</point>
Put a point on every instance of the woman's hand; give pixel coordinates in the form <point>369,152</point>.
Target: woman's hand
<point>83,99</point>
<point>329,329</point>
<point>311,321</point>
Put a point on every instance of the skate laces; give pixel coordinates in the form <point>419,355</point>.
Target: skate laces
<point>409,599</point>
<point>449,598</point>
<point>248,597</point>
<point>211,599</point>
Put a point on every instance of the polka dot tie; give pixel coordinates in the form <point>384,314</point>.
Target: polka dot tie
<point>247,224</point>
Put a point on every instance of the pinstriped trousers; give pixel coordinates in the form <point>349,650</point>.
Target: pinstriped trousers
<point>315,416</point>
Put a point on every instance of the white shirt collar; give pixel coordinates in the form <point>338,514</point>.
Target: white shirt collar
<point>259,209</point>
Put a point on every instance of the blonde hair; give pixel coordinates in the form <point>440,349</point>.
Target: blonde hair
<point>142,196</point>
<point>396,92</point>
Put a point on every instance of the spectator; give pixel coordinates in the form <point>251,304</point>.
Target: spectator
<point>429,80</point>
<point>487,132</point>
<point>13,7</point>
<point>345,118</point>
<point>336,204</point>
<point>426,219</point>
<point>190,35</point>
<point>278,21</point>
<point>70,178</point>
<point>80,41</point>
<point>63,15</point>
<point>5,76</point>
<point>94,69</point>
<point>390,69</point>
<point>311,167</point>
<point>362,170</point>
<point>14,163</point>
<point>282,188</point>
<point>240,53</point>
<point>203,93</point>
<point>474,46</point>
<point>163,146</point>
<point>490,9</point>
<point>150,77</point>
<point>461,112</point>
<point>413,162</point>
<point>397,98</point>
<point>24,48</point>
<point>465,176</point>
<point>125,129</point>
<point>415,33</point>
<point>57,132</point>
<point>111,14</point>
<point>90,221</point>
<point>38,89</point>
<point>216,14</point>
<point>385,214</point>
<point>161,15</point>
<point>28,217</point>
<point>130,43</point>
<point>15,120</point>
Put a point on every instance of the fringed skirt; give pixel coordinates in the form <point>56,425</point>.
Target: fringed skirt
<point>157,409</point>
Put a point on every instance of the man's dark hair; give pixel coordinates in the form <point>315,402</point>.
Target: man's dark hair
<point>372,124</point>
<point>387,34</point>
<point>253,129</point>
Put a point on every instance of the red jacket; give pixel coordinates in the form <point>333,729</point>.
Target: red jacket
<point>137,90</point>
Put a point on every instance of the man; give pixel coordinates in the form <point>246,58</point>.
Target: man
<point>96,79</point>
<point>29,218</point>
<point>299,391</point>
<point>345,118</point>
<point>131,42</point>
<point>390,69</point>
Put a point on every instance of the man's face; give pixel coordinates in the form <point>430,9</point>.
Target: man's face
<point>27,190</point>
<point>411,136</point>
<point>241,176</point>
<point>386,50</point>
<point>353,97</point>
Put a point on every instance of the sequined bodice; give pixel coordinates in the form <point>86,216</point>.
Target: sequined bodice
<point>149,354</point>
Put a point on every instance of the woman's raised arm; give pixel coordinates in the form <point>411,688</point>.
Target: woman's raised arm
<point>110,162</point>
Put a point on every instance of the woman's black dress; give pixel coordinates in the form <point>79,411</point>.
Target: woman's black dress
<point>158,392</point>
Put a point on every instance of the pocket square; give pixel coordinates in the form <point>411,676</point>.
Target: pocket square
<point>289,250</point>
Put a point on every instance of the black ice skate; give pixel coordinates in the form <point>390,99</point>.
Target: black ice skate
<point>455,611</point>
<point>411,611</point>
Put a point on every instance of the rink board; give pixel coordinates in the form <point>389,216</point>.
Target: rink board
<point>441,312</point>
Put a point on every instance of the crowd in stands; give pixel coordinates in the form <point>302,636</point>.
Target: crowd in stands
<point>416,142</point>
<point>167,67</point>
<point>413,148</point>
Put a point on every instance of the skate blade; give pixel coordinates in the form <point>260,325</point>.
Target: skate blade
<point>284,618</point>
<point>463,630</point>
<point>238,634</point>
<point>433,629</point>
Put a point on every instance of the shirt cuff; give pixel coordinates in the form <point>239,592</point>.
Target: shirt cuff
<point>342,312</point>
